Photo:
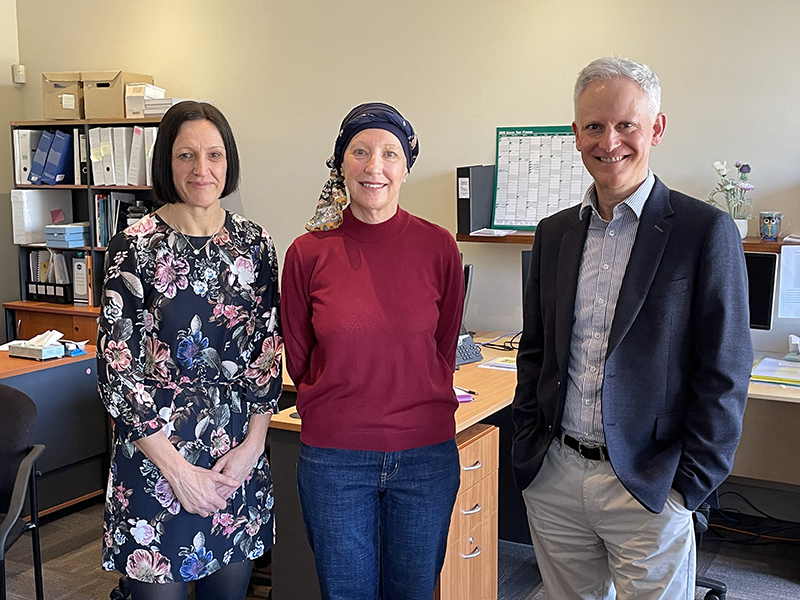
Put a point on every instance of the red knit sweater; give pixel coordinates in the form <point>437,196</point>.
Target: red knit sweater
<point>370,317</point>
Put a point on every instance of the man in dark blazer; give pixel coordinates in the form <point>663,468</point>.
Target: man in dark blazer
<point>634,361</point>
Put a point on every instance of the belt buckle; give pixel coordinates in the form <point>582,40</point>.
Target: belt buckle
<point>591,447</point>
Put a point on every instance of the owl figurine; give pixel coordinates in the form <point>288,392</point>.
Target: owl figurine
<point>770,226</point>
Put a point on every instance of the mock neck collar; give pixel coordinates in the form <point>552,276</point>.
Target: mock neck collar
<point>375,233</point>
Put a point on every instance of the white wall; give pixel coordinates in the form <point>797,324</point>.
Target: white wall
<point>285,73</point>
<point>10,108</point>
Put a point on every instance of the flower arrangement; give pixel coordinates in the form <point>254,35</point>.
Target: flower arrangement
<point>738,204</point>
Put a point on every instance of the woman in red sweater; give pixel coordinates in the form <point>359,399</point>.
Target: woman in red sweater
<point>371,307</point>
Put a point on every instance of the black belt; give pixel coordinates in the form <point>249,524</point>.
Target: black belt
<point>588,451</point>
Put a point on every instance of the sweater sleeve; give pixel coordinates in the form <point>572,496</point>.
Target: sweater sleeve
<point>299,339</point>
<point>452,302</point>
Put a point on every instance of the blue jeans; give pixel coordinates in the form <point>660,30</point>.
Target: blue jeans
<point>378,521</point>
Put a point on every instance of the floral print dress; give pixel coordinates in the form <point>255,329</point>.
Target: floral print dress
<point>189,344</point>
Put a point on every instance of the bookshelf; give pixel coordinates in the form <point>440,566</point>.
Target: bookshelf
<point>28,317</point>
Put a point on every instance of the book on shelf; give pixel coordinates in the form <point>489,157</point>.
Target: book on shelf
<point>123,136</point>
<point>80,157</point>
<point>150,135</point>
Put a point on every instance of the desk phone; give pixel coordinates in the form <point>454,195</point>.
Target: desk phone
<point>467,350</point>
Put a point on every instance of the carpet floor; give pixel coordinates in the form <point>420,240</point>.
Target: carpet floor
<point>760,569</point>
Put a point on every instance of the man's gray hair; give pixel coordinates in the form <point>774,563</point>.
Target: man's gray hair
<point>610,67</point>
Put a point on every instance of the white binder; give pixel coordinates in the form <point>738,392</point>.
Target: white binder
<point>107,154</point>
<point>96,157</point>
<point>136,167</point>
<point>122,153</point>
<point>25,142</point>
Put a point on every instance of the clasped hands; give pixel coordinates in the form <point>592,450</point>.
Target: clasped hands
<point>206,491</point>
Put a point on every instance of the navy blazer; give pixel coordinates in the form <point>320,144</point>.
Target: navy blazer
<point>679,354</point>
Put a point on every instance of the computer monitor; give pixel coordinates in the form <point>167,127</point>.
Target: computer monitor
<point>762,269</point>
<point>467,289</point>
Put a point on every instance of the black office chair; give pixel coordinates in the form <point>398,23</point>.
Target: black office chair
<point>18,476</point>
<point>717,589</point>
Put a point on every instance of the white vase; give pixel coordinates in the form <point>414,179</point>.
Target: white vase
<point>742,225</point>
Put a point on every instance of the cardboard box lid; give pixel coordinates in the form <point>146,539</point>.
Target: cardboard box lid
<point>112,75</point>
<point>62,76</point>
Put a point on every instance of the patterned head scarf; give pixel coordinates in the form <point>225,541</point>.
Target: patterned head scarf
<point>374,115</point>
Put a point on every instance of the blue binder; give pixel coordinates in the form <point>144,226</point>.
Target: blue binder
<point>40,158</point>
<point>59,167</point>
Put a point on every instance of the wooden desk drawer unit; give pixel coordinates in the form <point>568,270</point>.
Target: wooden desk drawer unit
<point>470,566</point>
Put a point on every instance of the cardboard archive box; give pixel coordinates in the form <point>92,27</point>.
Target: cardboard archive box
<point>62,95</point>
<point>104,92</point>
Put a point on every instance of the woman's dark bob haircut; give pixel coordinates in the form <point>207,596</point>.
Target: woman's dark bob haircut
<point>163,185</point>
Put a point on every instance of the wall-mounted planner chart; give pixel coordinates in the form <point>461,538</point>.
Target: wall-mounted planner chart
<point>539,172</point>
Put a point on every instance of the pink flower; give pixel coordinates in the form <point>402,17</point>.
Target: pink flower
<point>243,270</point>
<point>166,497</point>
<point>230,311</point>
<point>148,566</point>
<point>117,355</point>
<point>224,522</point>
<point>143,532</point>
<point>156,357</point>
<point>149,321</point>
<point>142,396</point>
<point>170,275</point>
<point>253,526</point>
<point>220,443</point>
<point>142,227</point>
<point>219,310</point>
<point>267,364</point>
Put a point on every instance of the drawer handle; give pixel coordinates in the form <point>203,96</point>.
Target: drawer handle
<point>478,508</point>
<point>474,554</point>
<point>474,467</point>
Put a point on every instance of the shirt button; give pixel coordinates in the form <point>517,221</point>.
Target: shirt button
<point>596,335</point>
<point>601,301</point>
<point>611,233</point>
<point>587,402</point>
<point>593,369</point>
<point>605,267</point>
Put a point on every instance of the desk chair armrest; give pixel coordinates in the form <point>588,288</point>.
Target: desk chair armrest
<point>26,467</point>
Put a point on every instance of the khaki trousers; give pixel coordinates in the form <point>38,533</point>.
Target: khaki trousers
<point>594,541</point>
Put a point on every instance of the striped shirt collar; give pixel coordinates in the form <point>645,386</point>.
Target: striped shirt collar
<point>635,201</point>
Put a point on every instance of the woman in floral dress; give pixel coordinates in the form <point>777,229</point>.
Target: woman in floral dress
<point>189,368</point>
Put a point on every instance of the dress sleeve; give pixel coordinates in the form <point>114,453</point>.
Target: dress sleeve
<point>264,375</point>
<point>130,391</point>
<point>296,315</point>
<point>452,304</point>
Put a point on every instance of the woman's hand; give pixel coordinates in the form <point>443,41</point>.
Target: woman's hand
<point>199,490</point>
<point>239,461</point>
<point>196,488</point>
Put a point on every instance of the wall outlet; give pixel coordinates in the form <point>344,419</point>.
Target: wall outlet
<point>18,73</point>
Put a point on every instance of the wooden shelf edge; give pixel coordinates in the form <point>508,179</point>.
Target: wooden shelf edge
<point>514,238</point>
<point>53,308</point>
<point>71,122</point>
<point>750,244</point>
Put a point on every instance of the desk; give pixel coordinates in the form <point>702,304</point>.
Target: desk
<point>293,571</point>
<point>768,448</point>
<point>70,421</point>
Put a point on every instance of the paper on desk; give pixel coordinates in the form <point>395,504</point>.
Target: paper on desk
<point>789,290</point>
<point>772,370</point>
<point>504,363</point>
<point>489,232</point>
